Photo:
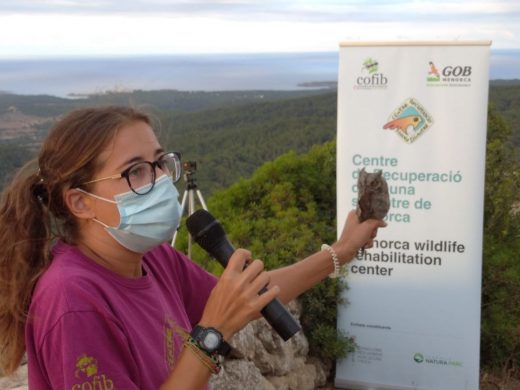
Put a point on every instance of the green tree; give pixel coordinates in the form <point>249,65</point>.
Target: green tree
<point>282,214</point>
<point>12,157</point>
<point>231,143</point>
<point>500,336</point>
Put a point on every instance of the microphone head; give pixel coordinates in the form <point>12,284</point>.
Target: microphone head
<point>205,229</point>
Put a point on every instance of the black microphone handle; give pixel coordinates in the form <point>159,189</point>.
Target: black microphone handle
<point>279,318</point>
<point>222,251</point>
<point>274,312</point>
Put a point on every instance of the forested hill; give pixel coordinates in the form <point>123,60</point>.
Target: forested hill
<point>505,97</point>
<point>160,100</point>
<point>229,134</point>
<point>25,120</point>
<point>231,143</point>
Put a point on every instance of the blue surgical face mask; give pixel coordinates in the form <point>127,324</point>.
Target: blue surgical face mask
<point>145,220</point>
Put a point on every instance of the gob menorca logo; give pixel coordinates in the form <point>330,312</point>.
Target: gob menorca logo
<point>370,77</point>
<point>450,75</point>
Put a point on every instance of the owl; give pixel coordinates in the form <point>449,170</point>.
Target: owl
<point>373,197</point>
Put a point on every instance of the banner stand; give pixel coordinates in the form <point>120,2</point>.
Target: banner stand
<point>418,112</point>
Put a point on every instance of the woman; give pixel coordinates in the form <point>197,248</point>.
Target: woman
<point>90,289</point>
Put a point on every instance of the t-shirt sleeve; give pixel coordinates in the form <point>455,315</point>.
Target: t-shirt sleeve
<point>84,350</point>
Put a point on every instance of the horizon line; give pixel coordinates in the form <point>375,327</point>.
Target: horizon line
<point>57,56</point>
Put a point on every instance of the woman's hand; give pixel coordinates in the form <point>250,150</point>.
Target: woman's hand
<point>235,301</point>
<point>355,236</point>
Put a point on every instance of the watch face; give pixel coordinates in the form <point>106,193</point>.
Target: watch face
<point>211,340</point>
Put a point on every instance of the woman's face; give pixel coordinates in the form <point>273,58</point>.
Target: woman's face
<point>133,143</point>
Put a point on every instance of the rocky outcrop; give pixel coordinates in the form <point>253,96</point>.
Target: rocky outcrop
<point>17,381</point>
<point>261,360</point>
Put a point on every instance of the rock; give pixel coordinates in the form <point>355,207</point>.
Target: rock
<point>242,343</point>
<point>258,350</point>
<point>302,377</point>
<point>322,370</point>
<point>259,343</point>
<point>17,381</point>
<point>240,375</point>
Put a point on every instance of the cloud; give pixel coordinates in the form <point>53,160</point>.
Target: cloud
<point>106,27</point>
<point>283,10</point>
<point>132,7</point>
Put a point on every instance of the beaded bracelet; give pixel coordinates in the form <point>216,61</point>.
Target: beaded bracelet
<point>338,270</point>
<point>210,361</point>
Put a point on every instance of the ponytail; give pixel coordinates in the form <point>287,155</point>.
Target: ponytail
<point>24,254</point>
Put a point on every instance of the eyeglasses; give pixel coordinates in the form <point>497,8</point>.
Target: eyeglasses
<point>141,175</point>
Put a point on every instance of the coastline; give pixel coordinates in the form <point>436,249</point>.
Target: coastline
<point>65,77</point>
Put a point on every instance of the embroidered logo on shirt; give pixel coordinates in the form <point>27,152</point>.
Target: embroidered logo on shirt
<point>173,340</point>
<point>87,373</point>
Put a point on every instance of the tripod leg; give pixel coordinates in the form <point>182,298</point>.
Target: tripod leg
<point>191,210</point>
<point>188,201</point>
<point>183,206</point>
<point>201,200</point>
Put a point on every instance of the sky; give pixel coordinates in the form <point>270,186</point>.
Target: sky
<point>48,28</point>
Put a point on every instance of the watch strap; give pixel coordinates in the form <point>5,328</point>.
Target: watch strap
<point>224,349</point>
<point>197,333</point>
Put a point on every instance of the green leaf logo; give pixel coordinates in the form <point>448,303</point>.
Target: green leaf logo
<point>370,65</point>
<point>418,357</point>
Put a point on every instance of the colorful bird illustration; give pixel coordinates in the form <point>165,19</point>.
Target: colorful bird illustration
<point>405,124</point>
<point>433,70</point>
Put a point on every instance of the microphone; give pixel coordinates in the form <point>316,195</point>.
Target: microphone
<point>210,235</point>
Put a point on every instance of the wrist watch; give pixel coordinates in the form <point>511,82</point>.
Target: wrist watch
<point>210,340</point>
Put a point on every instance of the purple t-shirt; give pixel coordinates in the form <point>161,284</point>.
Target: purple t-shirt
<point>89,328</point>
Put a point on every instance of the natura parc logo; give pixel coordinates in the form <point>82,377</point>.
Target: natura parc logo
<point>370,77</point>
<point>409,120</point>
<point>419,358</point>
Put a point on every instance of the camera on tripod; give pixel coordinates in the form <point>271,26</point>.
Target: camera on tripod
<point>188,198</point>
<point>189,166</point>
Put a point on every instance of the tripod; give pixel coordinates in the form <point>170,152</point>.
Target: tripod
<point>189,197</point>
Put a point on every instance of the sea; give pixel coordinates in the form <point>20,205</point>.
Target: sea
<point>73,77</point>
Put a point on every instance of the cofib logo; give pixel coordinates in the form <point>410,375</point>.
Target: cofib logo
<point>87,373</point>
<point>370,78</point>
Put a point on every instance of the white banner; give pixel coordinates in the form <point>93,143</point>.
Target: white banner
<point>418,112</point>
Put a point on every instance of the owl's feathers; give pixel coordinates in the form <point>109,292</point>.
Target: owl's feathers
<point>373,196</point>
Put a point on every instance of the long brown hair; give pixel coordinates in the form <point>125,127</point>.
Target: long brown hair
<point>33,212</point>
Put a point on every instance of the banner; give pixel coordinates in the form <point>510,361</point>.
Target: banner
<point>417,111</point>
